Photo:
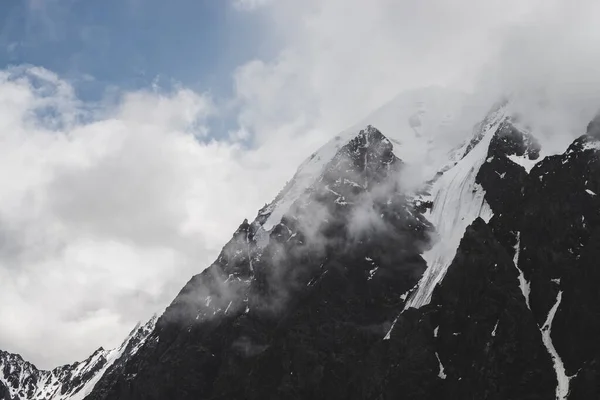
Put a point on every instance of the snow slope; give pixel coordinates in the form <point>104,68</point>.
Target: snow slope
<point>523,284</point>
<point>457,201</point>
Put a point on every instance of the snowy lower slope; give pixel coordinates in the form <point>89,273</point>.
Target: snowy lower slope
<point>23,381</point>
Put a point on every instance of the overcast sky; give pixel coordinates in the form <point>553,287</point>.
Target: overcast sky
<point>136,135</point>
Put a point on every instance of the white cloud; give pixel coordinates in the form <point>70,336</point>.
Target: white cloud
<point>340,59</point>
<point>548,64</point>
<point>250,4</point>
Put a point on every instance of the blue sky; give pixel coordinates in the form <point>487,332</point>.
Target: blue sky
<point>130,43</point>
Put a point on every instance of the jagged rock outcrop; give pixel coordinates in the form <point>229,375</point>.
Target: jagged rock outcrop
<point>21,380</point>
<point>503,177</point>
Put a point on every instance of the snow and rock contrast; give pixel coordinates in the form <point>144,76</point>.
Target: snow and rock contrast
<point>21,380</point>
<point>474,278</point>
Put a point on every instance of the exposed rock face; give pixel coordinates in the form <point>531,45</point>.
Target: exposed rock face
<point>503,179</point>
<point>333,270</point>
<point>349,286</point>
<point>559,249</point>
<point>487,338</point>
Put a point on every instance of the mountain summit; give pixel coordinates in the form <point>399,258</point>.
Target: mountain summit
<point>355,283</point>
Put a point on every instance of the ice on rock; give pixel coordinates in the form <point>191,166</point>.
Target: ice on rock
<point>457,201</point>
<point>523,284</point>
<point>524,161</point>
<point>562,388</point>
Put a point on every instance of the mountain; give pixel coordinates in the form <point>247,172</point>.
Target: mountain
<point>399,262</point>
<point>21,380</point>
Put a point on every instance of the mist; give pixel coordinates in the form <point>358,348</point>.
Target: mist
<point>546,68</point>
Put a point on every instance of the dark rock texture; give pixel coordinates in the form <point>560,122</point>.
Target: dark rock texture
<point>560,242</point>
<point>488,340</point>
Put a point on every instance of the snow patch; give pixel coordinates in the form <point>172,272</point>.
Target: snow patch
<point>523,284</point>
<point>372,273</point>
<point>495,328</point>
<point>593,145</point>
<point>389,332</point>
<point>562,389</point>
<point>441,373</point>
<point>524,162</point>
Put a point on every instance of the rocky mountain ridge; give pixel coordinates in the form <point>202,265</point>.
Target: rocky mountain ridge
<point>353,285</point>
<point>21,380</point>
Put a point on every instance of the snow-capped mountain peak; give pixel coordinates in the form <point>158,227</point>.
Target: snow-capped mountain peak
<point>421,125</point>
